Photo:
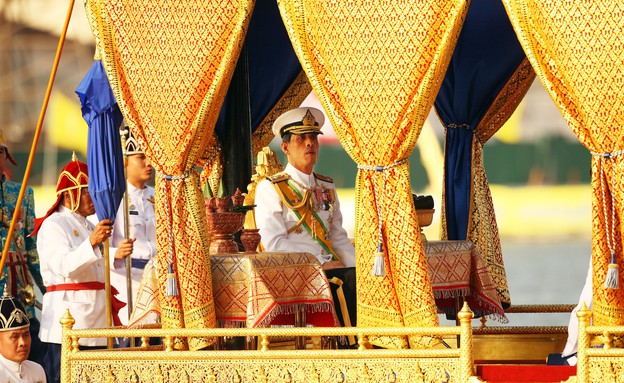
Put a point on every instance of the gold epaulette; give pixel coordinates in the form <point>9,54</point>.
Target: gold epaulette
<point>279,177</point>
<point>323,178</point>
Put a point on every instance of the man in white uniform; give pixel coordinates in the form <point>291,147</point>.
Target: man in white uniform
<point>141,223</point>
<point>298,210</point>
<point>15,344</point>
<point>71,265</point>
<point>569,355</point>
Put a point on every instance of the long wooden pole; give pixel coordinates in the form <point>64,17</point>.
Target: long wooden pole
<point>31,156</point>
<point>107,290</point>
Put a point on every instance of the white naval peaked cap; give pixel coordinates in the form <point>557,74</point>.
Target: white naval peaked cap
<point>299,121</point>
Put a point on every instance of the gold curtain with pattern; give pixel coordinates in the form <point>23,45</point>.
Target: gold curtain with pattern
<point>577,51</point>
<point>169,63</point>
<point>376,67</point>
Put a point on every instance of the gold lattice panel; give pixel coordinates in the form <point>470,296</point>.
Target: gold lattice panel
<point>300,369</point>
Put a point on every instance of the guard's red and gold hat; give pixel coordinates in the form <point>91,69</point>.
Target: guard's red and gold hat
<point>73,178</point>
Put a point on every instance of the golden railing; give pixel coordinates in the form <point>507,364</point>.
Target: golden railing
<point>600,351</point>
<point>365,364</point>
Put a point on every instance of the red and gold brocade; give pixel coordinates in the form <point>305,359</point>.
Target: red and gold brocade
<point>376,67</point>
<point>577,51</point>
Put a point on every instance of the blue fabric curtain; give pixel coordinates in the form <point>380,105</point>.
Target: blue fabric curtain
<point>485,57</point>
<point>273,65</point>
<point>107,183</point>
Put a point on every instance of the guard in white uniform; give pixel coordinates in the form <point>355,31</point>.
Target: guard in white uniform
<point>141,223</point>
<point>71,265</point>
<point>15,344</point>
<point>298,210</point>
<point>569,355</point>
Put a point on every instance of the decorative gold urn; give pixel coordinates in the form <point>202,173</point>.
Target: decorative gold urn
<point>223,223</point>
<point>425,217</point>
<point>225,220</point>
<point>250,239</point>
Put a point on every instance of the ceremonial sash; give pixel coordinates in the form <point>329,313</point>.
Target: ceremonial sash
<point>116,304</point>
<point>302,206</point>
<point>139,263</point>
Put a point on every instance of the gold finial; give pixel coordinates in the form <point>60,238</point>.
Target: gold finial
<point>308,119</point>
<point>67,320</point>
<point>74,158</point>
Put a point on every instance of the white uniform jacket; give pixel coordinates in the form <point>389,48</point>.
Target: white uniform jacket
<point>142,226</point>
<point>66,256</point>
<point>25,372</point>
<point>274,219</point>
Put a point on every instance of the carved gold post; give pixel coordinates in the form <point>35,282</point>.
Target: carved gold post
<point>67,323</point>
<point>465,356</point>
<point>582,369</point>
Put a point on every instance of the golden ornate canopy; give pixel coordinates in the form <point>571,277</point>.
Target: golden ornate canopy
<point>169,63</point>
<point>376,67</point>
<point>577,51</point>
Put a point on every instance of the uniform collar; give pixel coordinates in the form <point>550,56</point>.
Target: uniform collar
<point>12,366</point>
<point>133,189</point>
<point>306,180</point>
<point>66,211</point>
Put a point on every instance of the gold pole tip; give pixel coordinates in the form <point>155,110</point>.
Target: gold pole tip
<point>67,320</point>
<point>465,313</point>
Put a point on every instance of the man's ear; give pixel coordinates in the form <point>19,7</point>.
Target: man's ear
<point>284,147</point>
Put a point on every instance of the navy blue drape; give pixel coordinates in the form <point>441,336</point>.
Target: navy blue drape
<point>273,64</point>
<point>100,110</point>
<point>485,57</point>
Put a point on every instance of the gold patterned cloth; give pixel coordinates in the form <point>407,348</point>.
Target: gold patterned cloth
<point>376,67</point>
<point>169,63</point>
<point>577,51</point>
<point>458,269</point>
<point>255,290</point>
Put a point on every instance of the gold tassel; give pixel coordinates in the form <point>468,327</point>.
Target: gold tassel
<point>379,266</point>
<point>613,278</point>
<point>172,283</point>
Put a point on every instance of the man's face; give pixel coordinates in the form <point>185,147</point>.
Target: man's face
<point>302,151</point>
<point>3,159</point>
<point>86,207</point>
<point>15,345</point>
<point>139,169</point>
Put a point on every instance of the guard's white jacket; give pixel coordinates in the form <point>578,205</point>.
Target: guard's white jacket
<point>66,256</point>
<point>274,219</point>
<point>25,372</point>
<point>142,226</point>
